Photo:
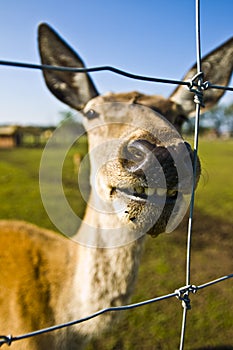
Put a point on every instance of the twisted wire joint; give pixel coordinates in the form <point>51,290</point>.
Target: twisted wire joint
<point>197,86</point>
<point>5,339</point>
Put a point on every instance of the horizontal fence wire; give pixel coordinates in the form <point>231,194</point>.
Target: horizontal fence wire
<point>179,293</point>
<point>115,70</point>
<point>182,293</point>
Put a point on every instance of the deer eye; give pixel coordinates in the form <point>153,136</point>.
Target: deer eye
<point>91,114</point>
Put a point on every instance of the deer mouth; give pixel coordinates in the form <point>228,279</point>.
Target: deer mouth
<point>152,210</point>
<point>149,194</point>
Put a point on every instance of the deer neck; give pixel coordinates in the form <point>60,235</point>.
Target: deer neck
<point>105,275</point>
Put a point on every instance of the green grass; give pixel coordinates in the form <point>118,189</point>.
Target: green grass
<point>20,190</point>
<point>156,326</point>
<point>215,191</point>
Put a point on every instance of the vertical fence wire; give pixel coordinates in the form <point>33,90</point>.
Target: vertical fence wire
<point>198,101</point>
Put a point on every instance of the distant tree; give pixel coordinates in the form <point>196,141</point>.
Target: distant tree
<point>215,117</point>
<point>69,125</point>
<point>219,119</point>
<point>67,116</point>
<point>228,111</point>
<point>229,114</point>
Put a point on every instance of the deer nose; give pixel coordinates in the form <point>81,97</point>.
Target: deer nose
<point>155,162</point>
<point>139,156</point>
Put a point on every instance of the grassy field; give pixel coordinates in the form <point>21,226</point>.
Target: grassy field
<point>215,190</point>
<point>210,321</point>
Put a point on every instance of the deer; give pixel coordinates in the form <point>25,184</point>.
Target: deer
<point>137,191</point>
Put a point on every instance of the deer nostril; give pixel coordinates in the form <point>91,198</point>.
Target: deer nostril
<point>137,155</point>
<point>136,151</point>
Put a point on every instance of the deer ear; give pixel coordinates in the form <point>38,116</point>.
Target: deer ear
<point>74,89</point>
<point>217,68</point>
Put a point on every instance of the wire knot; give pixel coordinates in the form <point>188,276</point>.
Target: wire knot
<point>5,339</point>
<point>183,295</point>
<point>198,97</point>
<point>197,86</point>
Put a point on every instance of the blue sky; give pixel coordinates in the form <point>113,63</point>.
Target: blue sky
<point>151,37</point>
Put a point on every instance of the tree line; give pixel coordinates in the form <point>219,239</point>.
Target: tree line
<point>219,121</point>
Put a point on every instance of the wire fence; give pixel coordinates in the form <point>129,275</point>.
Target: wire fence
<point>181,294</point>
<point>198,87</point>
<point>189,83</point>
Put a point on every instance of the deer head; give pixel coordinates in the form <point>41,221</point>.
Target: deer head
<point>141,169</point>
